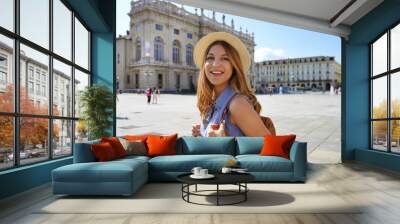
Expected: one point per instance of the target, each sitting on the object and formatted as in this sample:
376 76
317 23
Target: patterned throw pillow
134 147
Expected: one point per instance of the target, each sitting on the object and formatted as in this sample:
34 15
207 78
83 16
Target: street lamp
147 74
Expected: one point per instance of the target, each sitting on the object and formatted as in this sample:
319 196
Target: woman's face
218 68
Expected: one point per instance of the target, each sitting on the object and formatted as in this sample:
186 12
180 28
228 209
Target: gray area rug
166 198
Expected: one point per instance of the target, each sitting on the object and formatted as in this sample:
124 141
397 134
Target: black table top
220 178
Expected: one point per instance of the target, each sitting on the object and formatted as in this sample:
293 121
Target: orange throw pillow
277 145
116 145
103 152
161 145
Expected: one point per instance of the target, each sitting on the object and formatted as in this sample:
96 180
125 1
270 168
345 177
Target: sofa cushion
207 145
185 163
257 163
249 145
112 171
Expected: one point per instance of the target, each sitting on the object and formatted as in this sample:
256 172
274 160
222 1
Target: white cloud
265 53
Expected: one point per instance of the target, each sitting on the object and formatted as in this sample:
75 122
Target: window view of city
47 75
385 80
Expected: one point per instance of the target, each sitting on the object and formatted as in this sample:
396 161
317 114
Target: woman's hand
216 130
196 130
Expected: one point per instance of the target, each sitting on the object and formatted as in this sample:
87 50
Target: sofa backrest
249 145
83 152
201 145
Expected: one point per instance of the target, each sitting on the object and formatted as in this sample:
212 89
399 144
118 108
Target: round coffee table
238 179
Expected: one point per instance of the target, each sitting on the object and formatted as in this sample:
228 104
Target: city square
313 116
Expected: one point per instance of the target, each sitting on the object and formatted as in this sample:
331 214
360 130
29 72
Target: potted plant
96 102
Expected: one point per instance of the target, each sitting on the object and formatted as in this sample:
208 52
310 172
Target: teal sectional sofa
125 176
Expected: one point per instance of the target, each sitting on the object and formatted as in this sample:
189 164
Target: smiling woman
227 105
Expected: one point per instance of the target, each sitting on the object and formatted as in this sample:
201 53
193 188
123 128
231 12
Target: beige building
157 51
319 73
34 79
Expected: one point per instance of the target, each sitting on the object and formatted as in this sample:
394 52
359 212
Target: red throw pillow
277 145
161 145
116 145
103 151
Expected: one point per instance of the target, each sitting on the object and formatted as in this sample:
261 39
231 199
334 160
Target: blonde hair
238 81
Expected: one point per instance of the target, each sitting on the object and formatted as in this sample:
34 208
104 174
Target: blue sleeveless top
215 114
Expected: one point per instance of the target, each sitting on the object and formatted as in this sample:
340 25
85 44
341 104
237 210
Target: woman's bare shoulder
239 103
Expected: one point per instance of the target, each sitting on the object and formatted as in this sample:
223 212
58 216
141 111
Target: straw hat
236 43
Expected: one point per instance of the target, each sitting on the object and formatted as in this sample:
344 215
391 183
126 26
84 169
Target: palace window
138 46
189 54
158 49
159 27
176 52
176 31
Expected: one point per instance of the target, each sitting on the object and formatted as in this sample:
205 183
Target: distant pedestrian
158 92
155 96
148 94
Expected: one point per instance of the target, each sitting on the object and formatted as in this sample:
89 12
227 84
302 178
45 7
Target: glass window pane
379 97
81 45
395 47
395 136
35 21
6 142
395 94
6 74
62 89
379 135
62 138
81 81
7 14
379 55
34 96
81 131
33 140
62 29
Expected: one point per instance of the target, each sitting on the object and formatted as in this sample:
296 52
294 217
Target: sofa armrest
298 155
83 152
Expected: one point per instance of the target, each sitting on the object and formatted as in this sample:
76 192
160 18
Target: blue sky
273 41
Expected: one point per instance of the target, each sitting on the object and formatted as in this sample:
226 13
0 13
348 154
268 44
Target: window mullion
389 106
16 83
50 81
73 82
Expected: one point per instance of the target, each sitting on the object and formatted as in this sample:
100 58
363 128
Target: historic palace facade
157 51
318 73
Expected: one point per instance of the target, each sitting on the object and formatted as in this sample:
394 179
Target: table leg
196 188
245 193
217 194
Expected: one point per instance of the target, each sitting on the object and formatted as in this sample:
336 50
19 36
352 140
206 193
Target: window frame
388 74
16 115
